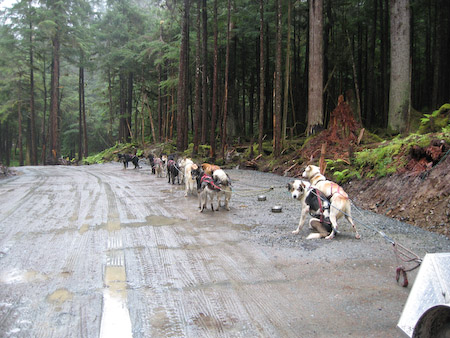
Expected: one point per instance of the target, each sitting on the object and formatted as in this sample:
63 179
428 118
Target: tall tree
315 73
198 113
262 72
204 72
33 143
182 119
54 141
227 71
278 87
400 85
287 78
212 139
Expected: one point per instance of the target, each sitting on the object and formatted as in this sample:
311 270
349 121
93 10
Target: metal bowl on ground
262 198
277 208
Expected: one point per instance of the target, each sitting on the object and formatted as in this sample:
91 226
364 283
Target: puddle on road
153 220
162 220
116 320
60 296
83 229
18 276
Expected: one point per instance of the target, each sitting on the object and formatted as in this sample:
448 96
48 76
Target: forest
79 76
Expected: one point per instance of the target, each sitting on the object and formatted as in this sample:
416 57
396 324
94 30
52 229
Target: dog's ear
289 186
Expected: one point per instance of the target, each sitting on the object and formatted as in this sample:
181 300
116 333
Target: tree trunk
130 106
315 76
32 107
212 138
44 130
278 85
227 70
198 112
204 73
80 116
54 98
19 111
83 116
287 75
182 80
400 87
262 71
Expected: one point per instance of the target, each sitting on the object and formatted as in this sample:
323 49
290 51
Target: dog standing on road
340 203
173 170
189 180
158 165
318 206
206 188
125 158
223 181
151 161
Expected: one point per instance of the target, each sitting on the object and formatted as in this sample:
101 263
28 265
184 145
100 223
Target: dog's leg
218 200
227 199
333 221
349 218
305 210
200 200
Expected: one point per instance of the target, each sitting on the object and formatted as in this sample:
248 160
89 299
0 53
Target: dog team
324 200
208 181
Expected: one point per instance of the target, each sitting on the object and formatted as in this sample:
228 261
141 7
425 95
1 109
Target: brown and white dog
206 188
158 165
340 203
209 169
316 204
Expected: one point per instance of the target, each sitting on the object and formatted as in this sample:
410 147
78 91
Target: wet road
99 251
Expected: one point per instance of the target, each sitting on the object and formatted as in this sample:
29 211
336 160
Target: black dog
173 170
125 158
151 160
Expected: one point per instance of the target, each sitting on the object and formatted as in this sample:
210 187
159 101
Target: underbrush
388 158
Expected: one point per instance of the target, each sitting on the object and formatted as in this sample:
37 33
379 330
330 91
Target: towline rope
254 192
401 252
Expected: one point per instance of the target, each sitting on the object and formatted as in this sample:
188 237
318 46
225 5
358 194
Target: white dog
182 162
318 206
224 183
340 203
158 165
164 161
189 181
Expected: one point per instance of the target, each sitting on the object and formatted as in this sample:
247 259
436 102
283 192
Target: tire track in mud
21 202
200 286
115 319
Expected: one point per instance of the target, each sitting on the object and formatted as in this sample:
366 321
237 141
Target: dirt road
99 251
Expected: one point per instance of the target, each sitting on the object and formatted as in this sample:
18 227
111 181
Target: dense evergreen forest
79 76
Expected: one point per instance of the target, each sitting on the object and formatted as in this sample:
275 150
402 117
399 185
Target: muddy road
99 251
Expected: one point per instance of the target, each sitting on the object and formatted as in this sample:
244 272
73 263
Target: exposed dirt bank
421 199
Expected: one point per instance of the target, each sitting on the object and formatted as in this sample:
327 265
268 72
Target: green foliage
342 172
110 154
383 160
435 121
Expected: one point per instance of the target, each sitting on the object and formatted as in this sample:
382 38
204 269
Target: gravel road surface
100 251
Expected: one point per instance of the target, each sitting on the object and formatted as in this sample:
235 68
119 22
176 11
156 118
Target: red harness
339 191
209 180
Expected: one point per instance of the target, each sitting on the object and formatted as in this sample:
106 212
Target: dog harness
209 181
318 205
339 191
